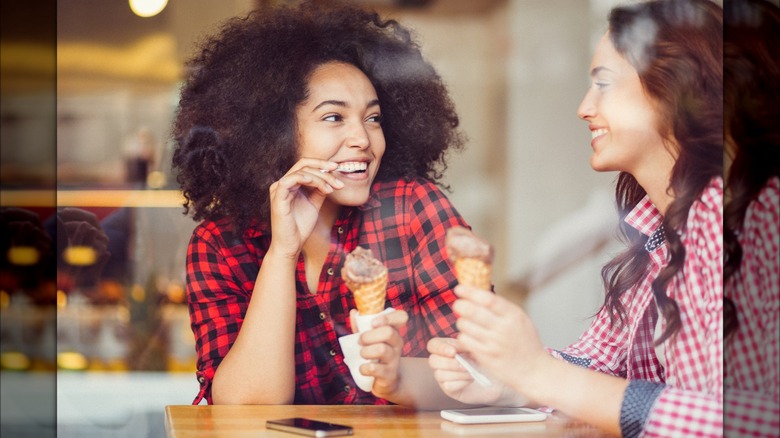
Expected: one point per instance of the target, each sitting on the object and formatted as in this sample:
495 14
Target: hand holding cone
472 257
473 260
366 277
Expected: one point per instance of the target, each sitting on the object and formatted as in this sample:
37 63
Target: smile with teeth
352 167
597 133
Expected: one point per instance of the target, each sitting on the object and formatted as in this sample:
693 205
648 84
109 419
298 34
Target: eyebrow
341 103
599 69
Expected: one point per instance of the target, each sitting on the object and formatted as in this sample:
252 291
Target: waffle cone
473 272
369 296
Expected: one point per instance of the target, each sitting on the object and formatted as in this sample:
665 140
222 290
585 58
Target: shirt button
341 230
201 379
332 353
322 316
347 388
330 271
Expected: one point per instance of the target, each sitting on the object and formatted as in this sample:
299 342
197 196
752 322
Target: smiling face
622 119
340 121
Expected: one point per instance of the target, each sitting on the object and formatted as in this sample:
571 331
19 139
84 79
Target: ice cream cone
370 297
471 256
473 272
366 277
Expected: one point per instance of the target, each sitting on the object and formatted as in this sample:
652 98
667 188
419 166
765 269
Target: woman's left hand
498 335
454 380
383 344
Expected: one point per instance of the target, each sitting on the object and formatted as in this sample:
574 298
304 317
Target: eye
600 85
333 118
376 118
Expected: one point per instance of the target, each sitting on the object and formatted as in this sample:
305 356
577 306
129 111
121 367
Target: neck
328 214
659 193
325 221
655 179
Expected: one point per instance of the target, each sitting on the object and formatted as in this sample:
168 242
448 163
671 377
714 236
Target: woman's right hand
455 381
296 200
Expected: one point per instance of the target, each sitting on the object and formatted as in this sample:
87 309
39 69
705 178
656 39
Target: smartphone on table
492 415
308 427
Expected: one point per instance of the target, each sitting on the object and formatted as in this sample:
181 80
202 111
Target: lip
597 133
358 177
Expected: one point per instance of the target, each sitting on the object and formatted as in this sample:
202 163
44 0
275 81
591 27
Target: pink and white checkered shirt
684 397
752 356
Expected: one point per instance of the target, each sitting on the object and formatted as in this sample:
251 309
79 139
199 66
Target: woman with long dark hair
651 362
752 218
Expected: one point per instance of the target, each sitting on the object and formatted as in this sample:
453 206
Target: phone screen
309 427
493 411
492 415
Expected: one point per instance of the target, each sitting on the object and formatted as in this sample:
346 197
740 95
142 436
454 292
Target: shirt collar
645 218
373 198
257 229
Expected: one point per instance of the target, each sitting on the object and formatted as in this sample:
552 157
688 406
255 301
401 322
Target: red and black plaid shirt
404 225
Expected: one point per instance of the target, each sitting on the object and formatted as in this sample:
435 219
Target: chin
600 165
351 200
595 165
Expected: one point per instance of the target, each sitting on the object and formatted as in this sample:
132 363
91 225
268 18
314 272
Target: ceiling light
147 8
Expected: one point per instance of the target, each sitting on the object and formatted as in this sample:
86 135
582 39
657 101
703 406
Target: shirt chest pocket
400 295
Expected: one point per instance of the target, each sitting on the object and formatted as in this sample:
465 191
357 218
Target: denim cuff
638 399
579 361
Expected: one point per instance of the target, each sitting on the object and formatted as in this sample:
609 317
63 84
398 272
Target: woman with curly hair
751 41
651 361
302 133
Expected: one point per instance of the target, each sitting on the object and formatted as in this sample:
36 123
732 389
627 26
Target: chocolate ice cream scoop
463 243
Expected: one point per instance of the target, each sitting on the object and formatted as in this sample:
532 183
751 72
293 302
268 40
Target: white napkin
351 349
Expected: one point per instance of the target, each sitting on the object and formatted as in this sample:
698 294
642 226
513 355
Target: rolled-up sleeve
638 399
677 412
216 303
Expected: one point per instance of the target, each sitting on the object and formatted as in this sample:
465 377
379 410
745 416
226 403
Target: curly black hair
682 71
235 124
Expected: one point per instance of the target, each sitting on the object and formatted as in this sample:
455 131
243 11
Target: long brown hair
681 70
751 88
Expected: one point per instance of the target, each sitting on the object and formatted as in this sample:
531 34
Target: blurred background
100 81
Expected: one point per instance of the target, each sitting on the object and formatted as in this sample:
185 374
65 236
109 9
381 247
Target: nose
587 108
357 136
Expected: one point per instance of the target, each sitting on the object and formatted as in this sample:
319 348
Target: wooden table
367 421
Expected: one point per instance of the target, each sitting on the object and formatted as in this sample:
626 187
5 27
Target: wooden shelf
91 198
